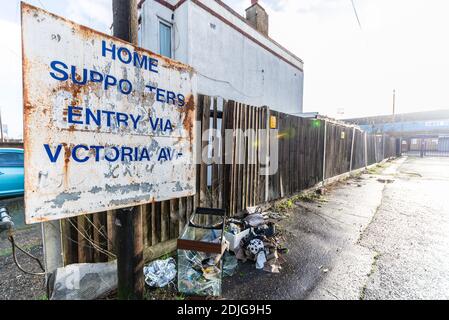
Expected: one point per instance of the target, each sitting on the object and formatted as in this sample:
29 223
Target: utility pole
394 103
128 221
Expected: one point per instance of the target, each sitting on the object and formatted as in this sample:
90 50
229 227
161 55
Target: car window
11 159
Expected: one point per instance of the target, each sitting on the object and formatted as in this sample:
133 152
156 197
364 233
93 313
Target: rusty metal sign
106 124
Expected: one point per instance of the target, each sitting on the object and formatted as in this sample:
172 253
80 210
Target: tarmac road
381 236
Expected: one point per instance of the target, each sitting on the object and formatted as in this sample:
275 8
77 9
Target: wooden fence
309 151
300 155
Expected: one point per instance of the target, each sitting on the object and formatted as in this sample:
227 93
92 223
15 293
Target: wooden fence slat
215 174
199 119
174 218
165 220
239 152
146 227
70 241
182 214
155 223
84 248
100 236
204 194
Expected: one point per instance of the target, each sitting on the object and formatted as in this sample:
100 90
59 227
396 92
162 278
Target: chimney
257 17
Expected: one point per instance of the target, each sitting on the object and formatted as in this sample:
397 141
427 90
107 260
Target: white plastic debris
260 260
84 281
160 273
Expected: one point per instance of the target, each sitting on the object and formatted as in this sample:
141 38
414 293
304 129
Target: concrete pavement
383 235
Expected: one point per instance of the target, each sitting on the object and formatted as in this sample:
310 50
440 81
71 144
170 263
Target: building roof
403 117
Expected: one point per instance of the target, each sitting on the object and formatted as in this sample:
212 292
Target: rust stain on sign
106 124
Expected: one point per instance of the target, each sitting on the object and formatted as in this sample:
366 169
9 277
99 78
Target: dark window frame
170 27
16 163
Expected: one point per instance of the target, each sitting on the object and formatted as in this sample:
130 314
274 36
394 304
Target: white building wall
229 64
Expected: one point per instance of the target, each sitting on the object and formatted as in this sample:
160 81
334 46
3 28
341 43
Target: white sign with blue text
107 125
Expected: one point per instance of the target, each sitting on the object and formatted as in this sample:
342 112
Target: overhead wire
356 15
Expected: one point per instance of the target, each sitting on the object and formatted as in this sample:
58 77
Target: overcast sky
349 71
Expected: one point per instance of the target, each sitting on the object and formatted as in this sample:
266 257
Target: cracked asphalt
383 235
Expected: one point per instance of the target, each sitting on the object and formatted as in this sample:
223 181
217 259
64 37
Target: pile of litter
254 238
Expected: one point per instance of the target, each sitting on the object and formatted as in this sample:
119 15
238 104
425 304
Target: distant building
435 122
233 55
420 131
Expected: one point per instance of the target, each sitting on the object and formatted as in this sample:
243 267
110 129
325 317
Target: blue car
11 172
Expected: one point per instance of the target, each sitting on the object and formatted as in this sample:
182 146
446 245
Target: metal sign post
129 239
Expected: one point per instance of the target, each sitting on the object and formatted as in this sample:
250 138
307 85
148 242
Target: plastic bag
159 273
254 220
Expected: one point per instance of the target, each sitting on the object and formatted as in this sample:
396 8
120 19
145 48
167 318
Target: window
11 159
165 39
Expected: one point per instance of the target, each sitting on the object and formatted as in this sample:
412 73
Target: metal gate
426 147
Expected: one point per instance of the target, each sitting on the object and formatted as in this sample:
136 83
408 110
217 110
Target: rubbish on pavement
160 273
200 253
252 236
274 262
268 230
260 260
275 215
234 239
230 264
261 243
233 228
255 246
84 281
252 210
382 180
254 220
195 276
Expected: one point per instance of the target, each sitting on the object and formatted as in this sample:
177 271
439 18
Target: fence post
52 244
267 156
324 151
375 149
366 150
352 149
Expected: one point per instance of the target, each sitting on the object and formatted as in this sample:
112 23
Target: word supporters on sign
106 125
